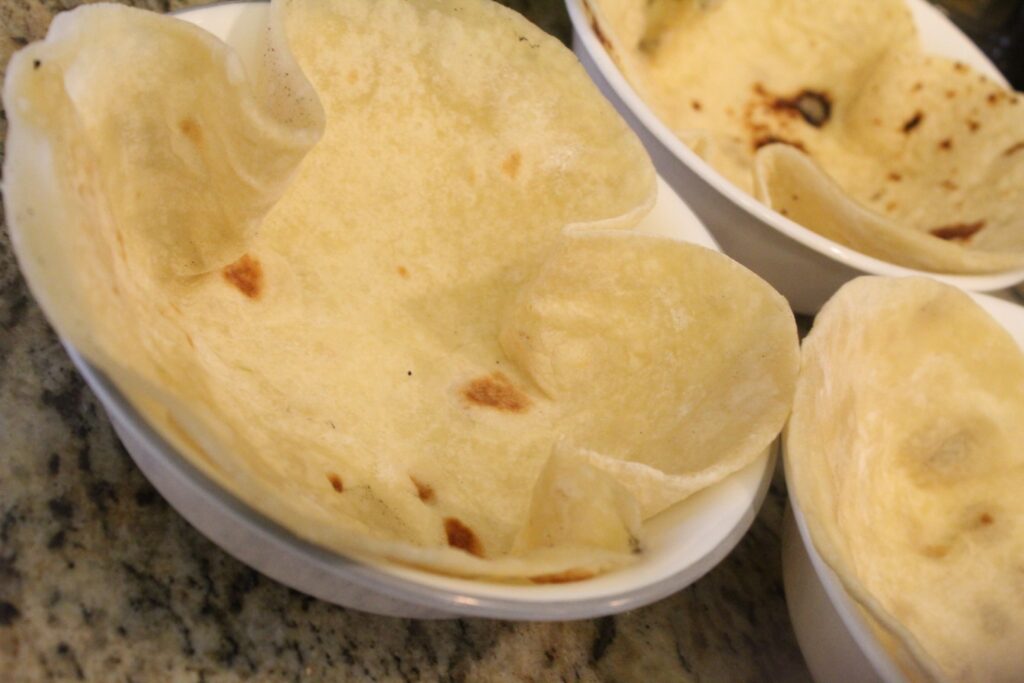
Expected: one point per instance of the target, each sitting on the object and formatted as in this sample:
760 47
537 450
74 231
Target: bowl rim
885 666
583 22
459 596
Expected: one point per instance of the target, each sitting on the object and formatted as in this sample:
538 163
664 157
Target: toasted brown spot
188 338
773 139
496 391
950 94
191 130
935 551
813 106
891 206
917 87
949 184
336 482
994 97
959 66
913 122
353 76
403 271
946 144
957 231
246 274
985 519
895 177
568 576
424 491
511 164
697 106
462 537
973 125
1014 148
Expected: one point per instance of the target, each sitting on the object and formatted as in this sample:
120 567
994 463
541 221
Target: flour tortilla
342 372
904 450
907 157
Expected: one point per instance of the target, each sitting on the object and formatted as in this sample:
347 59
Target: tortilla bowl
805 266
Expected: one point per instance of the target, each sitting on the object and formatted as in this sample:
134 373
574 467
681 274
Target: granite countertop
101 580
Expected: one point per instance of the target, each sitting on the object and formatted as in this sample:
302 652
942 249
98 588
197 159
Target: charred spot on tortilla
462 537
246 274
336 483
496 391
913 122
424 492
190 128
814 106
946 144
958 231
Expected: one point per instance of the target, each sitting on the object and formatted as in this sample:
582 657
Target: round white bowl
806 267
836 641
681 544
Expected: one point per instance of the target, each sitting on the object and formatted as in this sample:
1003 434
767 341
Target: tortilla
345 373
904 452
832 115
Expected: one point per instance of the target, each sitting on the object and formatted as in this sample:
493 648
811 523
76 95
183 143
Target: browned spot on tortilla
985 519
949 184
511 164
950 94
891 206
601 37
462 537
353 76
496 391
973 125
1014 148
813 106
935 551
959 66
913 122
190 127
994 97
246 274
917 86
424 491
336 482
772 139
784 212
895 177
120 244
697 106
188 338
946 144
568 576
877 195
403 271
957 231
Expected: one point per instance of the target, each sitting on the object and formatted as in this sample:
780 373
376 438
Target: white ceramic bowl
806 267
681 544
836 641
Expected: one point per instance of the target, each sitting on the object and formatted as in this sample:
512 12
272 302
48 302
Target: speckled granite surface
101 581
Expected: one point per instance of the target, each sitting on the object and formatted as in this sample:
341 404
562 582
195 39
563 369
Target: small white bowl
681 544
836 641
806 267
